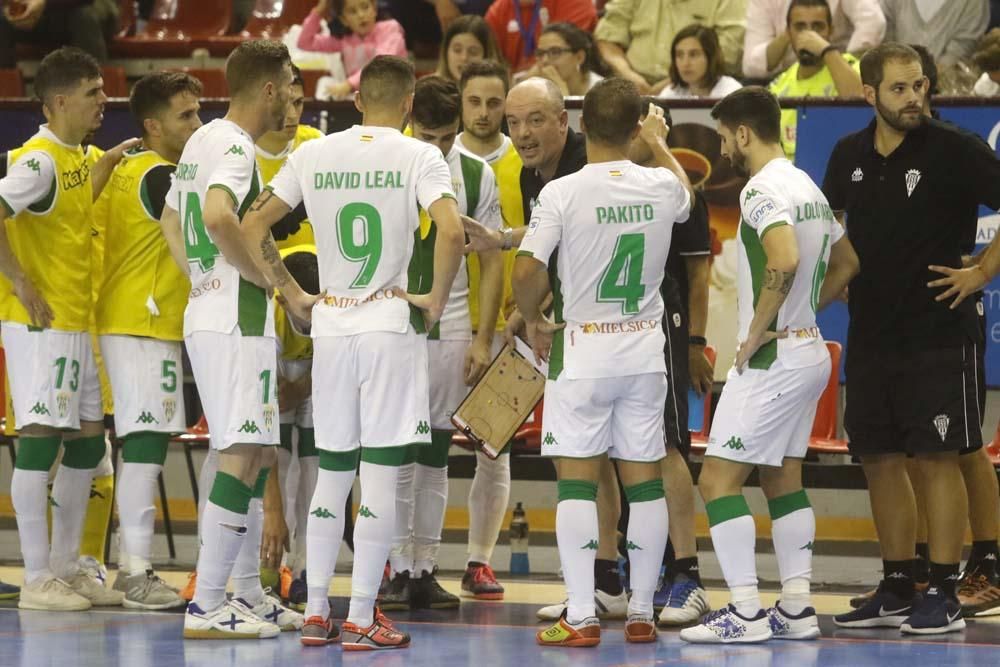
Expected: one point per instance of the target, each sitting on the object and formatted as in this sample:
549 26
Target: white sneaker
271 610
786 626
51 595
686 603
94 569
726 626
99 596
232 620
608 607
146 591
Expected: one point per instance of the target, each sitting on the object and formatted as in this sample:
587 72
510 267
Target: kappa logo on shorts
249 426
323 513
735 443
941 423
632 546
147 418
423 428
366 513
39 409
549 439
592 545
808 546
52 502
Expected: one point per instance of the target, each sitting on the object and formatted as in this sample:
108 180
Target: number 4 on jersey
196 242
622 279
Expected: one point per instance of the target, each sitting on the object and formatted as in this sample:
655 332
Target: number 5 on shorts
169 374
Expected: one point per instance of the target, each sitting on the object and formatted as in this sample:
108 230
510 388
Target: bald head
538 123
537 90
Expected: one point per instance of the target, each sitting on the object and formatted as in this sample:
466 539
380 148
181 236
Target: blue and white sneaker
786 626
662 593
9 591
686 602
271 610
883 610
727 626
232 620
934 615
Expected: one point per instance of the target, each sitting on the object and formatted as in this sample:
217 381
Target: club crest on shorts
169 409
912 178
268 417
941 424
62 403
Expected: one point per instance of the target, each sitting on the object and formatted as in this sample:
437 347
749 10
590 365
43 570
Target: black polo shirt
691 238
572 160
915 207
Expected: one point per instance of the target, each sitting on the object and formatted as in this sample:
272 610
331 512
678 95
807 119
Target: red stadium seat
823 439
11 83
213 81
176 28
115 83
196 436
309 78
271 19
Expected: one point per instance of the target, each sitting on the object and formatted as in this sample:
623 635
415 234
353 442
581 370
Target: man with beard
911 385
793 260
821 70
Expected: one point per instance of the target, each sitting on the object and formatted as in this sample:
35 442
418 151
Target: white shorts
147 381
447 380
237 378
622 416
53 377
293 369
765 416
374 387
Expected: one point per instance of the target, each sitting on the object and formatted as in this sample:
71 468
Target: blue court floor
480 633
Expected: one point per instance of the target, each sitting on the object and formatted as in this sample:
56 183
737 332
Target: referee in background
910 187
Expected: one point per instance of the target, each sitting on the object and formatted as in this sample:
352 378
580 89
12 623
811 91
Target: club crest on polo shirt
857 175
912 178
941 424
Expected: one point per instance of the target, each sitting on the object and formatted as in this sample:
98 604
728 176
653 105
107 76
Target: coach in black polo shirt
910 187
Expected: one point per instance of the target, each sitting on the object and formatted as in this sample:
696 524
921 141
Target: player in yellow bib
139 317
49 195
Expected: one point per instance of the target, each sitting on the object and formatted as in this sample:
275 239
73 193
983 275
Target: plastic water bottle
519 542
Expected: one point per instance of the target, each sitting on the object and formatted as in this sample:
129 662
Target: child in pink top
365 38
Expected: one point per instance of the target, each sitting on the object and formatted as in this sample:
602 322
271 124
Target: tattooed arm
782 261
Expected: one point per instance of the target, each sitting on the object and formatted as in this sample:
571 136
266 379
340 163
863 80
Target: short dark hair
580 40
874 60
436 102
485 69
929 66
297 79
809 3
253 63
152 93
63 70
611 111
753 106
386 80
304 268
709 40
660 102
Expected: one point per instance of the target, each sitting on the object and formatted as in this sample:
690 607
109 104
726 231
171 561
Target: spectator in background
467 39
987 58
567 57
858 25
87 24
697 66
633 35
518 24
356 34
948 28
424 21
821 71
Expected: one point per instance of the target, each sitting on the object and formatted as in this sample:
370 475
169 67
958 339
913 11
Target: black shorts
915 402
675 412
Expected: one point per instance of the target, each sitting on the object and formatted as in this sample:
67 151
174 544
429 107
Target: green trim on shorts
230 494
786 504
84 453
726 508
411 454
435 455
577 489
307 442
645 491
37 453
388 456
285 436
339 461
145 447
258 488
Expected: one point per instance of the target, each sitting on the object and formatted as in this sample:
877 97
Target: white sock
206 477
576 535
793 530
734 539
488 499
29 492
325 532
401 552
430 499
70 494
246 569
137 488
308 470
373 532
646 541
222 535
284 473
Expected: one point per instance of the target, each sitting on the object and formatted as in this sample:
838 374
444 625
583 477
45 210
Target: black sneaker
883 610
934 615
397 594
426 593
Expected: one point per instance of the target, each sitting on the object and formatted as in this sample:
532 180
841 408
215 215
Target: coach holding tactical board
910 187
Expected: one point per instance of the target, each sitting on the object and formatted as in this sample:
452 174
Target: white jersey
218 155
476 189
361 189
781 194
612 223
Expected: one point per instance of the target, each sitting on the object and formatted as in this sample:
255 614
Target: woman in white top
696 65
566 55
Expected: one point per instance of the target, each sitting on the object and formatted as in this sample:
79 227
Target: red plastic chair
196 436
309 79
176 28
213 81
823 439
11 82
115 82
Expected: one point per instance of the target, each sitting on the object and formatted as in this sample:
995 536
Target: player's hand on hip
480 238
432 311
749 347
274 539
540 333
960 283
700 369
299 307
38 308
477 360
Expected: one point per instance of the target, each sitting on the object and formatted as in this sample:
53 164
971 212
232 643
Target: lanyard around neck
528 36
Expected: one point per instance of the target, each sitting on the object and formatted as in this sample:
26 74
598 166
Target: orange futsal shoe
585 633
